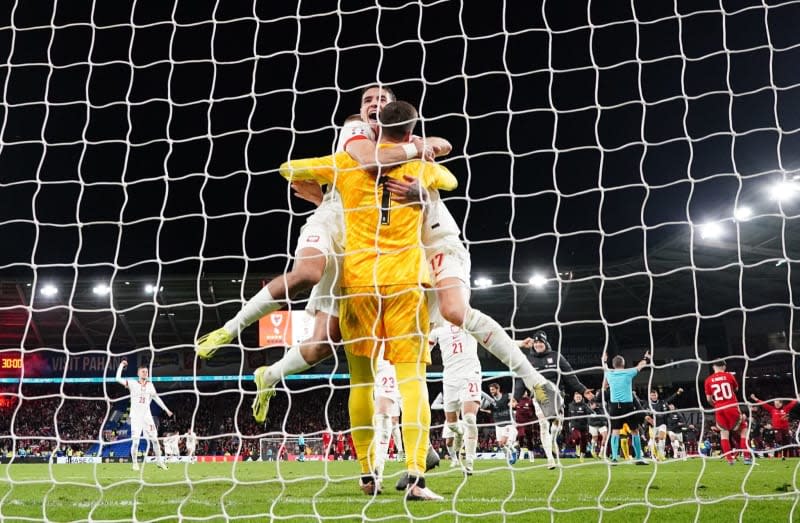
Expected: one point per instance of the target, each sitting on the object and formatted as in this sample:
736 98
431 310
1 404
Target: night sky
143 138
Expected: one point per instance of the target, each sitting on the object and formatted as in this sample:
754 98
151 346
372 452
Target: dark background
140 143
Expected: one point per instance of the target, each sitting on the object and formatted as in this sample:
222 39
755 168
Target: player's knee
453 311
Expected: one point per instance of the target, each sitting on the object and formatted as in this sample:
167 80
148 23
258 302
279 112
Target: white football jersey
439 227
354 129
141 397
459 349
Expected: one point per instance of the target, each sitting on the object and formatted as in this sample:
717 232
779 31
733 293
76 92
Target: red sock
726 449
743 446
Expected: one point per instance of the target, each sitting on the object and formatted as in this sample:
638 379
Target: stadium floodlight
742 213
49 290
710 231
101 289
538 281
152 289
784 191
483 282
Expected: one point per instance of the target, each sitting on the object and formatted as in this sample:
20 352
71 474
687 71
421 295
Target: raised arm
118 377
645 361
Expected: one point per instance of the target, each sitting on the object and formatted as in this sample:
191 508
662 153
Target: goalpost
629 180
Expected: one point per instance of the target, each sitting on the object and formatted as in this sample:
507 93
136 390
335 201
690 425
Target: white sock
291 363
382 425
494 339
259 305
134 449
398 438
555 428
676 449
156 449
547 439
661 443
470 436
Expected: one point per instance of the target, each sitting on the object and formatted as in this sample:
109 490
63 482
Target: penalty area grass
676 491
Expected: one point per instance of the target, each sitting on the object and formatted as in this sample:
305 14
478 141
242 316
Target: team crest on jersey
314 238
549 360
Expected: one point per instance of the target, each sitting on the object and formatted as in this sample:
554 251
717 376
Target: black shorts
622 413
302 449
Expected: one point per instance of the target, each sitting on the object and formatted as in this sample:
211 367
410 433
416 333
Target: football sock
416 414
615 443
494 339
291 363
362 406
259 305
637 446
470 435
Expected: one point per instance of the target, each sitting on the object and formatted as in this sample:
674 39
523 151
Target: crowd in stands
46 419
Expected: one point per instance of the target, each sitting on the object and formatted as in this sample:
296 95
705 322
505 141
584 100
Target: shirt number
721 391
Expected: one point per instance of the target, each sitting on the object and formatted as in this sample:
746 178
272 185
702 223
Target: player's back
722 387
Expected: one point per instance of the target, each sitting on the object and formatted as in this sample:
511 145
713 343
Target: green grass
298 492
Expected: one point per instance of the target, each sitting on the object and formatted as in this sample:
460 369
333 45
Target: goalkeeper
382 274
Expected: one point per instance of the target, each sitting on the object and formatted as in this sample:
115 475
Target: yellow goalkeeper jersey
383 244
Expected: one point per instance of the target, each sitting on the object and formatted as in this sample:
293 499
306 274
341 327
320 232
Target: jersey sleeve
436 176
353 131
321 170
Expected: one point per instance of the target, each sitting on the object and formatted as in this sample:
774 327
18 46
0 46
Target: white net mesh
628 181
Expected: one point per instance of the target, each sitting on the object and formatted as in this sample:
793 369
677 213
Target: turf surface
694 490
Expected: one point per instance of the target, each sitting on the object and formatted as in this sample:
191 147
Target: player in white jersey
191 445
317 257
461 387
142 394
171 450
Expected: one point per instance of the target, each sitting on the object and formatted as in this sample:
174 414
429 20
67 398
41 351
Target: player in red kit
340 446
779 412
721 388
524 416
327 437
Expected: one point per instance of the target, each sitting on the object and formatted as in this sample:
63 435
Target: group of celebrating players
385 264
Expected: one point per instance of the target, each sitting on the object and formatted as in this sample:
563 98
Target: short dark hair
653 390
618 361
397 119
719 363
385 88
496 385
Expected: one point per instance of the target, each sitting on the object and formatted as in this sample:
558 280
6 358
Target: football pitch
694 490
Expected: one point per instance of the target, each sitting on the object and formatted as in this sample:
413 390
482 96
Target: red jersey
326 439
780 416
722 387
524 412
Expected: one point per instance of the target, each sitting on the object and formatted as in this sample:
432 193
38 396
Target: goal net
629 181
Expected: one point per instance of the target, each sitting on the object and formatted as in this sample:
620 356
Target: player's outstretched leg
306 272
297 359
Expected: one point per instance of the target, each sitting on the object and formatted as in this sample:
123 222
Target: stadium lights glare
710 231
49 290
152 289
784 191
482 282
742 213
538 281
101 289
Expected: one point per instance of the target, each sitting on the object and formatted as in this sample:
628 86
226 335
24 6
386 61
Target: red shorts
729 418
